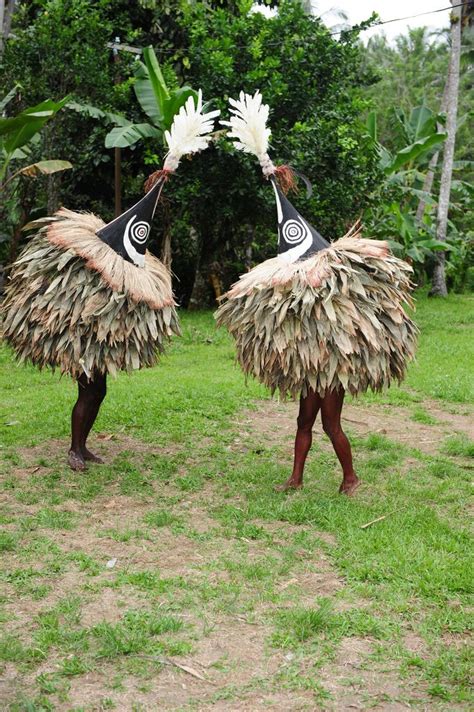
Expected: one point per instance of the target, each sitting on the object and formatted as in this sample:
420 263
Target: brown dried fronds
72 305
335 320
77 232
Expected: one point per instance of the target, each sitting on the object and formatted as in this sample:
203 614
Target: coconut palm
459 15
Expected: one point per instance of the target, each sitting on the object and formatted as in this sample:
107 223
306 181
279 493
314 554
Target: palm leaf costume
320 315
86 297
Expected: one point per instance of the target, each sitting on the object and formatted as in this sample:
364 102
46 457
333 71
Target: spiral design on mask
139 231
293 232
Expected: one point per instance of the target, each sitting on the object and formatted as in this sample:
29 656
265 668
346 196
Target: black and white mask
128 233
297 239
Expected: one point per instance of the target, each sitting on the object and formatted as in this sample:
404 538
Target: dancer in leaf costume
321 318
89 299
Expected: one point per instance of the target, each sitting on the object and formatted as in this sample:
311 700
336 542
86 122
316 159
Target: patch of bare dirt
108 606
275 422
9 687
459 422
232 656
108 446
353 687
312 581
457 640
235 668
276 528
414 643
174 691
22 611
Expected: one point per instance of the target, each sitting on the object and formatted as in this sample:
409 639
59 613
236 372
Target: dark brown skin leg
91 393
309 408
331 408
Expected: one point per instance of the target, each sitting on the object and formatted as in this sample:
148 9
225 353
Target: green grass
420 415
195 389
204 547
443 367
458 445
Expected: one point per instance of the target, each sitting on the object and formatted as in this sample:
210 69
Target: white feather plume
190 131
248 124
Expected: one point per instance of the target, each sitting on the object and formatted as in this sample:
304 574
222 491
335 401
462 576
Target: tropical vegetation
366 123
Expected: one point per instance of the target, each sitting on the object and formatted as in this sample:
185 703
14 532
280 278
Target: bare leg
91 393
331 408
309 408
101 391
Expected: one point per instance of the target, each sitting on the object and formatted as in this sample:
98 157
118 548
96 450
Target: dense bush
222 212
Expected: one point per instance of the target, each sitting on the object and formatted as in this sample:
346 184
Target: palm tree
459 15
7 8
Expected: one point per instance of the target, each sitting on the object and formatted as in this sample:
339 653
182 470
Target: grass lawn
175 578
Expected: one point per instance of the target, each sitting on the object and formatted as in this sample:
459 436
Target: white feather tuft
190 131
249 123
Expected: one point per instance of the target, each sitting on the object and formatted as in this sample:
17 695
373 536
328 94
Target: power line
408 17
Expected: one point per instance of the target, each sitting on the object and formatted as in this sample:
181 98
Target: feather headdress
248 123
190 131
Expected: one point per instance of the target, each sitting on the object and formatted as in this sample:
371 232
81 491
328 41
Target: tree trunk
25 195
16 237
249 248
54 189
439 277
7 8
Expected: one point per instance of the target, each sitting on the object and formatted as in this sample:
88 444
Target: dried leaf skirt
74 304
334 320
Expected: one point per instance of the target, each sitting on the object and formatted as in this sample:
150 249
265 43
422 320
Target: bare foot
288 485
90 457
76 461
348 488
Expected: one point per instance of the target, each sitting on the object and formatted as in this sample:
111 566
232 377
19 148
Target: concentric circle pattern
139 231
293 231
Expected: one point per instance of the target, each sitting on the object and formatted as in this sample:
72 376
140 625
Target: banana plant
18 135
404 170
18 132
419 134
158 102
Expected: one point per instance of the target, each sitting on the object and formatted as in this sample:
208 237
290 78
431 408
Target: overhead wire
408 17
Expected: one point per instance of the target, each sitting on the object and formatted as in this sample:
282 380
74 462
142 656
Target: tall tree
452 92
7 8
413 72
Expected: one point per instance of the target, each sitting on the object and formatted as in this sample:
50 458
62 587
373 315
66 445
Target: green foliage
394 216
59 48
158 102
18 131
412 73
18 134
